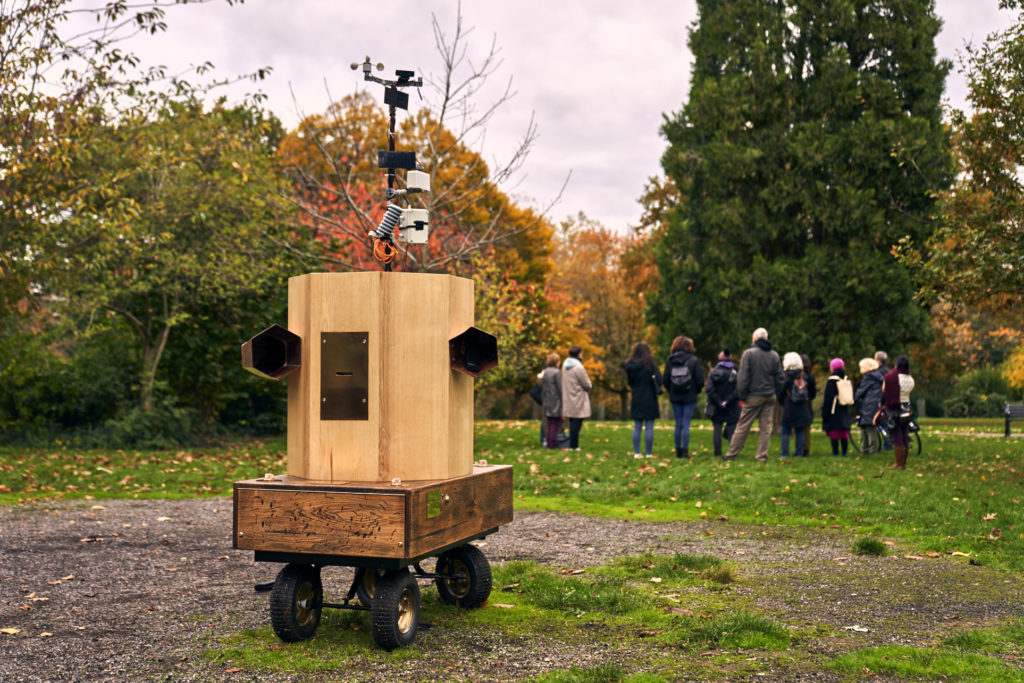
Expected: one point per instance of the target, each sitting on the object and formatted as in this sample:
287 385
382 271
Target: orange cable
383 251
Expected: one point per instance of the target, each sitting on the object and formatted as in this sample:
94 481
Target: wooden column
418 416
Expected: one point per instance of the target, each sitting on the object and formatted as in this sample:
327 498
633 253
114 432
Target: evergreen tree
811 143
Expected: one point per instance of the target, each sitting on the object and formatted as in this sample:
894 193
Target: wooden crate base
291 516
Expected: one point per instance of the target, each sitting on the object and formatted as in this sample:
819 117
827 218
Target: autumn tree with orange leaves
332 157
606 273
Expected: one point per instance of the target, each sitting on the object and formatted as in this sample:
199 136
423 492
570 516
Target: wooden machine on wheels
380 438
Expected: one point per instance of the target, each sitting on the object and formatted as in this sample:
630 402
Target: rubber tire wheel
473 589
395 612
914 444
366 584
295 602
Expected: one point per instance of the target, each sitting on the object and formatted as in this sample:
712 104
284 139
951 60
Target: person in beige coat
576 388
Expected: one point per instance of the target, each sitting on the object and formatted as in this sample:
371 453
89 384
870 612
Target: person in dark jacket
644 381
551 399
722 397
812 393
869 397
684 379
835 417
796 404
760 381
881 357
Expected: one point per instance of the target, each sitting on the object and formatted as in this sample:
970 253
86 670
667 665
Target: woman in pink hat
835 408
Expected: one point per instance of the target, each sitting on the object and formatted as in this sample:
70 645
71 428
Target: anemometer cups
273 353
473 352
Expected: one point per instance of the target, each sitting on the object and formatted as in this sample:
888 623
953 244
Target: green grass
1007 638
634 597
926 663
870 546
680 611
57 473
962 494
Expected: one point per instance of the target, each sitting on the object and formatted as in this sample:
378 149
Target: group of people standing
565 394
761 385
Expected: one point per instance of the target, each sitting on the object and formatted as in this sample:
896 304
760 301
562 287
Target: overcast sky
597 75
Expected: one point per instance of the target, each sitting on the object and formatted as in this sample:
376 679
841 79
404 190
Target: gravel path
127 590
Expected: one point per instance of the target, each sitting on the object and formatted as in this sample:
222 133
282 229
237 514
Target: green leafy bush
981 393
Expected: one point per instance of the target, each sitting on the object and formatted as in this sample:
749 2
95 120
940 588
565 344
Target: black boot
681 453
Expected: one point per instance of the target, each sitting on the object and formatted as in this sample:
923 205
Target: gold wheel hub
405 611
305 611
459 586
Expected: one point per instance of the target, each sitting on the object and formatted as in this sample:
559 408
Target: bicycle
882 435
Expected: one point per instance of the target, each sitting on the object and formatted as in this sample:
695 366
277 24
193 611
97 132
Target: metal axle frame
419 573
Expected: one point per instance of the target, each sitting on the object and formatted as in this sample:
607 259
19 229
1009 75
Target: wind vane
412 223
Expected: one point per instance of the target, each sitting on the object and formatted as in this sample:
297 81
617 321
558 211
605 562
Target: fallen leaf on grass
167 519
913 557
648 633
855 627
45 634
572 571
679 610
502 605
934 554
10 631
170 569
233 671
891 544
655 579
989 516
957 553
91 539
511 586
97 507
709 653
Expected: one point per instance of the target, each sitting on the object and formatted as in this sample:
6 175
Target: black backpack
681 378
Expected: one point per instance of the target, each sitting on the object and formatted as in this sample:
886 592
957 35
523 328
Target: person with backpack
723 401
644 381
759 381
869 396
796 404
684 379
835 407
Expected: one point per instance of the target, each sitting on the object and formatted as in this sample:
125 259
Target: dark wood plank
325 522
465 506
